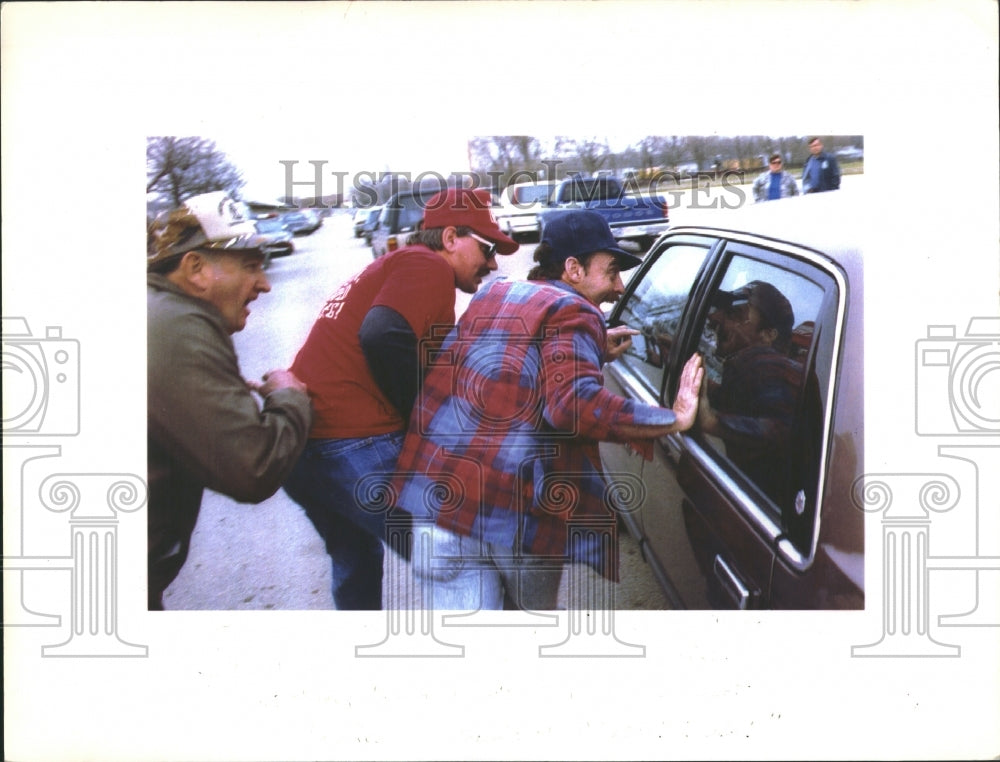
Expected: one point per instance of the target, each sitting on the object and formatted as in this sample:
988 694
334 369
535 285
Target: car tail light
666 212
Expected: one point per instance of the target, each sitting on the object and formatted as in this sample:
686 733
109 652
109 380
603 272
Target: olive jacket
205 428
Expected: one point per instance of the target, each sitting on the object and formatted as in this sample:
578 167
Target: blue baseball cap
577 232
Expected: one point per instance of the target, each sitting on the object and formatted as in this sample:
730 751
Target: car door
748 483
752 483
655 305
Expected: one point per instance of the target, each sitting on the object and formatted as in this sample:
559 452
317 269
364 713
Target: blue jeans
336 482
467 574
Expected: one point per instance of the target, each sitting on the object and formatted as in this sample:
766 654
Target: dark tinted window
411 212
764 417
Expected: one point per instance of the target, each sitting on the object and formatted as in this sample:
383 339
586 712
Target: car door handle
732 584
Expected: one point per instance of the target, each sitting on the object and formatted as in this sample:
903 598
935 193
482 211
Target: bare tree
180 167
504 154
592 153
703 149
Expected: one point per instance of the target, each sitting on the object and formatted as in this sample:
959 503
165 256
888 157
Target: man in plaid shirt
501 456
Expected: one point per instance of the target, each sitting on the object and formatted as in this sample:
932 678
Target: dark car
370 223
401 215
751 508
303 221
279 237
361 215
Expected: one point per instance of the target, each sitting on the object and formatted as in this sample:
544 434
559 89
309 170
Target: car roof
428 191
832 223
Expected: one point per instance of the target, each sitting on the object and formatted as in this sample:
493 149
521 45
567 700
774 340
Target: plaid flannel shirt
503 442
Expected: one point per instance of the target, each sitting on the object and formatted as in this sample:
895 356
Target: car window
764 417
409 218
654 309
411 213
529 194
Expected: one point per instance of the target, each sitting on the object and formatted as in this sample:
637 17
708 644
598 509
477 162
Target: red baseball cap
470 208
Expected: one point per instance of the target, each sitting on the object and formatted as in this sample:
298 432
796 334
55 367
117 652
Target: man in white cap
205 427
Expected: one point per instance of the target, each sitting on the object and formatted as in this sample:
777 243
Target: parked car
636 219
371 220
361 215
758 513
279 237
520 204
303 221
399 217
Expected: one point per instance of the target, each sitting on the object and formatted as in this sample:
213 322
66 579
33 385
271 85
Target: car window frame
780 254
829 331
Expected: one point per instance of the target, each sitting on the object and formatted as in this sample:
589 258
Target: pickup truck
640 219
519 207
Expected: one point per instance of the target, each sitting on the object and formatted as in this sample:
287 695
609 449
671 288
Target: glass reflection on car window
756 340
655 308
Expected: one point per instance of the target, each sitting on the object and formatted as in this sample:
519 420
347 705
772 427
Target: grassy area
667 181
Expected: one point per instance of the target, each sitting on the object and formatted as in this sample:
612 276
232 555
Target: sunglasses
488 248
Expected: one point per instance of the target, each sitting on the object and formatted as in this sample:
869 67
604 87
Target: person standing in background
775 183
821 171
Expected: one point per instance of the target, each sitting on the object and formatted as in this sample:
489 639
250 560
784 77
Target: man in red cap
360 363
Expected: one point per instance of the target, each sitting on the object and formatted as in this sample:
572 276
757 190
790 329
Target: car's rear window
530 194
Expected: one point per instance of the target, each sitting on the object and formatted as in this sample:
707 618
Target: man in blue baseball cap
512 408
578 232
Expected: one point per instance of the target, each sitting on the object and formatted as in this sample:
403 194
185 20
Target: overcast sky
355 150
